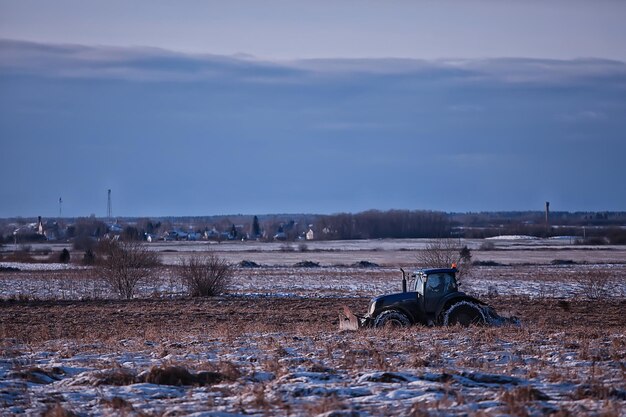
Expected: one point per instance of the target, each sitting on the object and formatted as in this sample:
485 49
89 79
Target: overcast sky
200 108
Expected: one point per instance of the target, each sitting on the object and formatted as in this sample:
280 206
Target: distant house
175 235
31 232
211 234
194 236
115 228
310 235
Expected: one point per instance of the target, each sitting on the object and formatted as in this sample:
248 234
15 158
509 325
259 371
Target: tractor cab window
441 283
435 284
450 283
419 284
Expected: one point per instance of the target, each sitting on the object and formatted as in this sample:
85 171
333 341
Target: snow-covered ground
25 266
339 281
427 372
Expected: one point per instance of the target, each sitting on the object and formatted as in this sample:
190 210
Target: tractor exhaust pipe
403 280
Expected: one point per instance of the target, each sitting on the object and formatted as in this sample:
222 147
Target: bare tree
123 264
205 276
443 253
595 285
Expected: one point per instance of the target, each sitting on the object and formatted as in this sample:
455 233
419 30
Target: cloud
545 71
154 64
583 116
234 133
135 64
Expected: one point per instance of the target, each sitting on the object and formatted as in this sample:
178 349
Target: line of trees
375 224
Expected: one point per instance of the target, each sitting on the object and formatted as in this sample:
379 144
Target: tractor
432 299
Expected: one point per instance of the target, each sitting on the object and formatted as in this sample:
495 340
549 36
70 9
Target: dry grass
58 410
119 404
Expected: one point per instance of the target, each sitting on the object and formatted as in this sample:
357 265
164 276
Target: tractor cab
432 285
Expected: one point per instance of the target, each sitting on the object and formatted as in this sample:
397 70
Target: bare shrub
177 375
205 276
115 376
443 253
306 264
123 264
64 257
89 258
594 284
440 253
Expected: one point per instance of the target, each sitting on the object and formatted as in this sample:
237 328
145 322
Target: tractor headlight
371 308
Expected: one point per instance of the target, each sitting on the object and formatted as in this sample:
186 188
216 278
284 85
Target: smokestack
547 215
109 211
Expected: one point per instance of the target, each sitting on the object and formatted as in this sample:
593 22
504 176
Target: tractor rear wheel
392 318
463 313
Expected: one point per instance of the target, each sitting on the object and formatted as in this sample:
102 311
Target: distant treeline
585 227
376 224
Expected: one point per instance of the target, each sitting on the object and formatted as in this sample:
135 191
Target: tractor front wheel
392 318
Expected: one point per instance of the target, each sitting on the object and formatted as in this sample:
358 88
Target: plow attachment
348 320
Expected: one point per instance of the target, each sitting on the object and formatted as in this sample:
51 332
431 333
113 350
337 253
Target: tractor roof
429 271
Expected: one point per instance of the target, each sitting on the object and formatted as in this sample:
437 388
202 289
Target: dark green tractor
433 298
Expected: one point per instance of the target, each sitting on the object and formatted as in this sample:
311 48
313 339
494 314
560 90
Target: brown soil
38 321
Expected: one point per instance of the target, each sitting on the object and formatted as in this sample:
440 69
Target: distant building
211 234
280 236
310 235
115 228
40 230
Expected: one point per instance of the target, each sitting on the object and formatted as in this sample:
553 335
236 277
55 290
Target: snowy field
264 356
271 374
270 346
521 266
534 281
